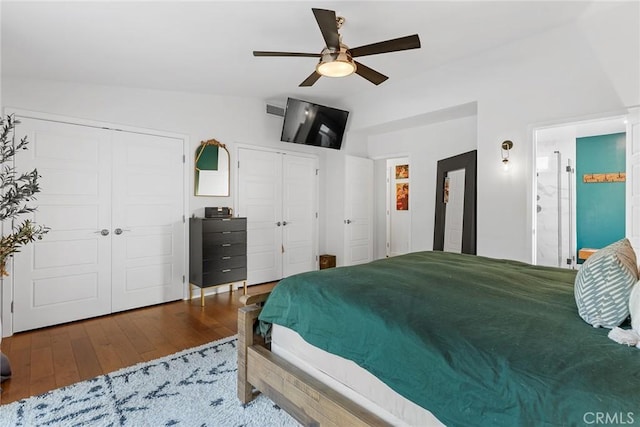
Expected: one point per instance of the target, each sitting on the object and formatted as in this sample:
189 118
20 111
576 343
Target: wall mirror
212 169
455 219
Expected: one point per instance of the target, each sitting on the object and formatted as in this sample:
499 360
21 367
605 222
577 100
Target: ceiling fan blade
263 53
328 27
309 81
370 74
394 45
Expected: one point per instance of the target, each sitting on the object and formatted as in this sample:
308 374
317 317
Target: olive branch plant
16 190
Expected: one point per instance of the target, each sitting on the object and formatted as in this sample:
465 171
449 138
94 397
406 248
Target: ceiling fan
336 59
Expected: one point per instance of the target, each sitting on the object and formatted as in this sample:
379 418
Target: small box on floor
327 261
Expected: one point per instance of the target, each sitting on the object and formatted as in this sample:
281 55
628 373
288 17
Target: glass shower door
554 208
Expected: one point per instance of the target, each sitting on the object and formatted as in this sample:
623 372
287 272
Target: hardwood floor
48 358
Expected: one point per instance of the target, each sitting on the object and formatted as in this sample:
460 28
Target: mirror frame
468 162
220 145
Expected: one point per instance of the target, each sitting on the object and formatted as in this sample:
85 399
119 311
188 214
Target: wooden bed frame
309 401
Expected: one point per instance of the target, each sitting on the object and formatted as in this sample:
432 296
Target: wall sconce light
506 146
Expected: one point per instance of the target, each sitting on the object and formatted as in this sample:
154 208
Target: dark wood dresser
217 253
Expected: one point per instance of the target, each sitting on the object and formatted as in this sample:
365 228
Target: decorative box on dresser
217 253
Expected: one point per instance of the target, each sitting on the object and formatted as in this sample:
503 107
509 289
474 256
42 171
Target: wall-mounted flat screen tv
313 124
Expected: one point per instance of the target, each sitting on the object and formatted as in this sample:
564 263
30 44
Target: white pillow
634 307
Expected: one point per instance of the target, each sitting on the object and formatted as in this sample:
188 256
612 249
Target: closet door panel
65 276
147 227
260 201
114 203
358 231
299 212
277 193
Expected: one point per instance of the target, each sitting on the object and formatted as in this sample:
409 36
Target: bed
473 340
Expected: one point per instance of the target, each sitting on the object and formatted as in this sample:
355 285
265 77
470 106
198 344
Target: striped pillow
603 285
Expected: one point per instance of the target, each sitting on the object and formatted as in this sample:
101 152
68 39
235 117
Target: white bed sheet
350 380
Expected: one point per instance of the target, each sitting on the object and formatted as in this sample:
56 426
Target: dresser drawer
223 249
224 262
224 224
227 275
219 237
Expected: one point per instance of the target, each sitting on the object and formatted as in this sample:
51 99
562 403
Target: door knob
347 221
119 231
278 223
104 232
284 223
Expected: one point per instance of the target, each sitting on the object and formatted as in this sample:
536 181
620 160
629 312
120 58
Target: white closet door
299 199
114 203
147 230
67 275
278 195
260 201
358 222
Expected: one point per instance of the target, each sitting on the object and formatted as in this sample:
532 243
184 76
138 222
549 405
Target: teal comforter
475 340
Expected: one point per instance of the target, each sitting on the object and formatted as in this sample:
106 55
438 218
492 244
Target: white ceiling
206 46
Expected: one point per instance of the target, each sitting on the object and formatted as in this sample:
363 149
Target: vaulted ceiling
206 46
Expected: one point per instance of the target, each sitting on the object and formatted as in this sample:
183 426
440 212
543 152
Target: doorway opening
579 189
398 213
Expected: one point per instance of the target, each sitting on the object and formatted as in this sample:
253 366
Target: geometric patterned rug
194 387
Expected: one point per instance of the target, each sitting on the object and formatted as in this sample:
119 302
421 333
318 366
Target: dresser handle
225 245
226 257
226 270
226 232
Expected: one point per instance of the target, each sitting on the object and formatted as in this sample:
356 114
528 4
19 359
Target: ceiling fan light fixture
336 59
332 65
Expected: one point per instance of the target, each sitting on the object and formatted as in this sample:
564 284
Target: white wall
424 145
585 69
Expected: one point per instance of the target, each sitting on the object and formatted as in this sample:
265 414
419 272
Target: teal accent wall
600 207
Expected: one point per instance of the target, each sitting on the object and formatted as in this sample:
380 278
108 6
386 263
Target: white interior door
67 275
358 210
114 203
277 193
299 209
147 228
454 212
398 215
260 201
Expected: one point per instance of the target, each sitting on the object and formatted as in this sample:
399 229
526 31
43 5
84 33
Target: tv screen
313 124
